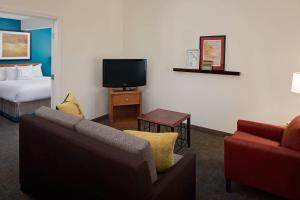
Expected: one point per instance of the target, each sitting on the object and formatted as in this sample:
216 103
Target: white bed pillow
2 73
11 73
24 73
37 71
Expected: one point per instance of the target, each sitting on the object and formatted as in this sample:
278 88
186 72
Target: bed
19 97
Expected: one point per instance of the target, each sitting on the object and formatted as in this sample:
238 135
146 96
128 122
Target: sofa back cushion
121 140
58 117
291 136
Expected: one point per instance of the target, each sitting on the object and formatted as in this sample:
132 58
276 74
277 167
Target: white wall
91 30
36 23
262 42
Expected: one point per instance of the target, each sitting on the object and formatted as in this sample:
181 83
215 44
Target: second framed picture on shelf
192 58
212 51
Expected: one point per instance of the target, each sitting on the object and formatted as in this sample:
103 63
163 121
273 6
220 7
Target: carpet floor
210 170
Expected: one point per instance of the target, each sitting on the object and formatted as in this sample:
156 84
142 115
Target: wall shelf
232 73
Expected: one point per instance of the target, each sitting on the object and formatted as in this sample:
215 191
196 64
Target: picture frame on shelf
15 45
192 58
212 48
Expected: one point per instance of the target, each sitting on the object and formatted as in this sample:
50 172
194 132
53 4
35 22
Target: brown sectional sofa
64 157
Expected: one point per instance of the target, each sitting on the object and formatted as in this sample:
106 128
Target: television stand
129 88
124 108
124 89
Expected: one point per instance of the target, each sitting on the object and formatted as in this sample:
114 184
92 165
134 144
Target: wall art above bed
15 45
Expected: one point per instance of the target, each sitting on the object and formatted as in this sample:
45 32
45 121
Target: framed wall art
15 45
192 58
212 49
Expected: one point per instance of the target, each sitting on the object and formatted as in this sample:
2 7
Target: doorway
38 19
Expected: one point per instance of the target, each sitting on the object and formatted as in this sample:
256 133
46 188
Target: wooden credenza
124 108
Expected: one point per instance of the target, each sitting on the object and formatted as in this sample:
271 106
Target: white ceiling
12 16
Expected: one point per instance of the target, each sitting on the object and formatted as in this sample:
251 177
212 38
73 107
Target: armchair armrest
268 131
183 174
261 166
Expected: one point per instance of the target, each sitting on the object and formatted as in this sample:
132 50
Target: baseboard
209 131
11 118
195 127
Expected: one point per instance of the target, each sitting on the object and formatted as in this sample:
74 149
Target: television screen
124 72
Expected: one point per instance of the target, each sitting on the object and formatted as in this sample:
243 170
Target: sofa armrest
262 130
182 174
261 166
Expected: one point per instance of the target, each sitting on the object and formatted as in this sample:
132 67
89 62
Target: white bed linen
26 90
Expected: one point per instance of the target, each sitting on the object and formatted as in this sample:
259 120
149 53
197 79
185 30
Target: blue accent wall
10 24
41 48
41 45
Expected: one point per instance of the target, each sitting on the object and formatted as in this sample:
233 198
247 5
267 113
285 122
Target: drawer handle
126 99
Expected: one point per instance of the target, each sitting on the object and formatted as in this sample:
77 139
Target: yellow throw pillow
71 106
72 99
162 146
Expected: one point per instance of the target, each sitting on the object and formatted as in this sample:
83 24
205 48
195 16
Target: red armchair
254 156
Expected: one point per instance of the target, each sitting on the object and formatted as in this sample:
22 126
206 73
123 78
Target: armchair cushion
255 139
291 136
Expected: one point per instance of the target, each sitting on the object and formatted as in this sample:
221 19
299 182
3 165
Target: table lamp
296 82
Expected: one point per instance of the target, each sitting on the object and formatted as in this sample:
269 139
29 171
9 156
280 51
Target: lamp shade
296 82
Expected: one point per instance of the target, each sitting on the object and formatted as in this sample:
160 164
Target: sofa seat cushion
255 139
291 135
121 140
177 158
58 117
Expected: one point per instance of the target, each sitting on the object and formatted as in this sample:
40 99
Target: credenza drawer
126 99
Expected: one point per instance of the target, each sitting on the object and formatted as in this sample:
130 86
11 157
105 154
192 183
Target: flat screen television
123 73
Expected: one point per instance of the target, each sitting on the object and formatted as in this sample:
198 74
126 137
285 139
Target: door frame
56 48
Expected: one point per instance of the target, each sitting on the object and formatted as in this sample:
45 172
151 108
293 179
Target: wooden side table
124 108
160 117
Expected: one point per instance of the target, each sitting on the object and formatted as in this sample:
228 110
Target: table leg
158 128
188 129
139 125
